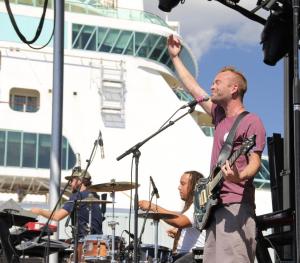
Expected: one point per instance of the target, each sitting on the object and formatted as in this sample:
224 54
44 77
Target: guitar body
207 190
204 202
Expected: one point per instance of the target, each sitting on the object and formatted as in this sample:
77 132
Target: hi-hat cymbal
157 216
93 200
112 187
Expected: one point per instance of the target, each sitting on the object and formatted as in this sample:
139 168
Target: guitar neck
219 176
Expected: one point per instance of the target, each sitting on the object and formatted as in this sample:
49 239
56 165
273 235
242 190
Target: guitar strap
227 146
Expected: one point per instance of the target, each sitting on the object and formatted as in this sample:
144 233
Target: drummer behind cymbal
186 237
78 182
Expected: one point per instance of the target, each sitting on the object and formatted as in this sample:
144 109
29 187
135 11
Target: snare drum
95 247
99 247
164 254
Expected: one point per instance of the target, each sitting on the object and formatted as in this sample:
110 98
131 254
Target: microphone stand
46 227
78 194
136 155
145 218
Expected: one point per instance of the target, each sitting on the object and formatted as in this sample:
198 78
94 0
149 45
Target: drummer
186 237
79 181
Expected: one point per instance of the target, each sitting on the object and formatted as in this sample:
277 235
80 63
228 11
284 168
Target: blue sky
219 36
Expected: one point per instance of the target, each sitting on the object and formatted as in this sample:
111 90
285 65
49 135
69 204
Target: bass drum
146 254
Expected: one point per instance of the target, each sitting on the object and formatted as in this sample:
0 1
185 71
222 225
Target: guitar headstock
248 143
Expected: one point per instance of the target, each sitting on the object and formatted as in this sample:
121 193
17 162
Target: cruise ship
118 80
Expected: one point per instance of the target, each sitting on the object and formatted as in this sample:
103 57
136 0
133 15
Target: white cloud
201 41
205 24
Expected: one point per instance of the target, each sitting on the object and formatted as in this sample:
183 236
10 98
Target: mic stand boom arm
136 155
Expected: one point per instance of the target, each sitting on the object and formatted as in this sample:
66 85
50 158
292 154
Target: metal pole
296 110
57 108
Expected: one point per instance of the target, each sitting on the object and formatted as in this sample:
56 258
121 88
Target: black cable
130 201
15 26
169 119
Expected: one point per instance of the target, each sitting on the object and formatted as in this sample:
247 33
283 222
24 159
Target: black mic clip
131 235
155 191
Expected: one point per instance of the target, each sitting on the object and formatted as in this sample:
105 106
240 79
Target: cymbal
112 187
157 216
93 200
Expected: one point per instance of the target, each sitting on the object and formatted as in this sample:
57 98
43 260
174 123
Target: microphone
77 166
193 103
131 235
100 142
155 191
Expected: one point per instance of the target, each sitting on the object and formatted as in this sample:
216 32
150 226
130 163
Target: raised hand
174 46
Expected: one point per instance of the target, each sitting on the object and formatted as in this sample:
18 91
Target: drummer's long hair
193 179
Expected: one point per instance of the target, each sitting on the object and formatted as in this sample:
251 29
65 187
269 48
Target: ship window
165 57
122 42
29 150
139 38
91 44
44 151
32 150
13 148
208 130
83 35
2 147
109 40
101 35
158 49
141 44
130 47
24 100
148 45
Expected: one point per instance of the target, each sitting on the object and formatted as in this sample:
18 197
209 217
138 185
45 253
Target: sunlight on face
184 186
75 183
222 87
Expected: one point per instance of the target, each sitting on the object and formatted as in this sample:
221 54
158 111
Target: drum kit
112 248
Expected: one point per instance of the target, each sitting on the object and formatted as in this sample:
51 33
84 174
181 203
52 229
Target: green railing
93 8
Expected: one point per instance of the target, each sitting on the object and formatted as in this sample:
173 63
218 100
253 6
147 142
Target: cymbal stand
113 224
156 221
90 218
136 155
78 193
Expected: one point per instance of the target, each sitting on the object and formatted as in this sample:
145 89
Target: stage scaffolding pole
296 114
57 109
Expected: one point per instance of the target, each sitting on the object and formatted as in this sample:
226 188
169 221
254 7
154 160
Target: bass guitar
207 190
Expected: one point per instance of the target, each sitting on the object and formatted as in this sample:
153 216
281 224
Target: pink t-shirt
248 126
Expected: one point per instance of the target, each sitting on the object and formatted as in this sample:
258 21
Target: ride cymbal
112 187
157 216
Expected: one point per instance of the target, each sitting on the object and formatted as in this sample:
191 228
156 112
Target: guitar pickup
203 198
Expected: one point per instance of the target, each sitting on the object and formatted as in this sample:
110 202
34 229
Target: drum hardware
113 224
113 186
147 254
90 200
156 217
198 254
